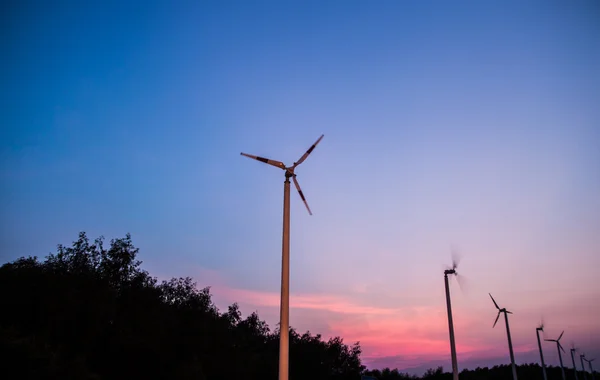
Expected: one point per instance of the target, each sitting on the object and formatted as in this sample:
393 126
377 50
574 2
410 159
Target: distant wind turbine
537 333
582 357
510 349
559 347
451 271
590 364
573 349
285 262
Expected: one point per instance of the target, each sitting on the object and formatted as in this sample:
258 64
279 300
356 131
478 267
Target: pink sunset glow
412 337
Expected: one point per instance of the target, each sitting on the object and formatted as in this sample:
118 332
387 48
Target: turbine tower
510 349
284 311
559 347
537 333
573 349
451 271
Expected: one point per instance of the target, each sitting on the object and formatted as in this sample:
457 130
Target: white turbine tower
284 310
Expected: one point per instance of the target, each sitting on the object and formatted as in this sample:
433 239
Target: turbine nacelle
452 271
500 310
557 341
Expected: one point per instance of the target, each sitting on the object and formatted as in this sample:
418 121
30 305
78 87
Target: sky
465 124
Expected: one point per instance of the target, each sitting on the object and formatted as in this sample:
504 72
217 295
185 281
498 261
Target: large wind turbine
559 347
284 310
573 349
510 349
537 333
451 271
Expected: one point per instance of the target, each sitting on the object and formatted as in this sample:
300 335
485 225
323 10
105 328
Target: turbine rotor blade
497 307
277 164
496 321
509 312
462 282
561 334
455 258
560 346
309 151
301 194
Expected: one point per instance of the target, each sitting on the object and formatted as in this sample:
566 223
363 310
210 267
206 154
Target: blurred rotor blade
497 307
561 334
455 257
550 340
509 312
496 321
309 151
301 194
463 284
277 164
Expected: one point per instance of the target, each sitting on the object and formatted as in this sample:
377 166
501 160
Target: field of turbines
538 329
285 270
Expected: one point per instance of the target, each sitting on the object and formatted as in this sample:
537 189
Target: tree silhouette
90 312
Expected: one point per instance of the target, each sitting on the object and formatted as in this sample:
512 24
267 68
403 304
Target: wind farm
450 271
146 232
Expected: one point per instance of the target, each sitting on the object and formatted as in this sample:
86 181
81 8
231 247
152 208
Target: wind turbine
451 271
590 364
510 349
582 357
284 310
559 347
537 333
573 349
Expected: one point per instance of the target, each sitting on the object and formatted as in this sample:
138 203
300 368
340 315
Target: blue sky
472 123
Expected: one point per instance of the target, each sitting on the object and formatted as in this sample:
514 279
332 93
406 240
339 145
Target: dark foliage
502 372
91 312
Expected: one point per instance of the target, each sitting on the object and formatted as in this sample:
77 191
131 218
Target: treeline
502 372
90 312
